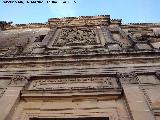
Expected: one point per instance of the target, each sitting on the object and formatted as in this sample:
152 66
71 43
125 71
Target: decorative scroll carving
19 81
126 78
76 36
99 83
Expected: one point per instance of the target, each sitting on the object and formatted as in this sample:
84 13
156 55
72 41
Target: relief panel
74 84
19 81
128 78
76 36
77 41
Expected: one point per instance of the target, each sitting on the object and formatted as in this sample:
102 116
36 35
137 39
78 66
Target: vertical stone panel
11 96
136 102
7 102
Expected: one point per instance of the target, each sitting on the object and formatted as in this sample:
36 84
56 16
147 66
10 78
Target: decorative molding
76 41
19 81
128 78
80 21
96 83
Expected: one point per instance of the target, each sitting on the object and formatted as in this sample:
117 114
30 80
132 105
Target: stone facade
84 68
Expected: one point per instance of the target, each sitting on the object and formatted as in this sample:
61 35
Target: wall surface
88 67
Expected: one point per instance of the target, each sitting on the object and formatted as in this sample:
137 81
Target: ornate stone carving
97 83
128 78
19 80
76 36
76 41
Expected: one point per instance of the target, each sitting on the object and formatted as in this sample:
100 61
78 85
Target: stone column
11 97
134 97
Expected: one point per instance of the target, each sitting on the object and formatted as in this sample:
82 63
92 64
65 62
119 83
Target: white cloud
61 9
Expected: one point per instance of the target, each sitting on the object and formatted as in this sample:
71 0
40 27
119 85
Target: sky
130 11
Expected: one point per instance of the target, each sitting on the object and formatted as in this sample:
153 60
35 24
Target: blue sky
129 11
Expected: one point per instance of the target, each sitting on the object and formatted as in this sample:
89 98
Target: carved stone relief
74 84
77 41
76 36
128 78
19 81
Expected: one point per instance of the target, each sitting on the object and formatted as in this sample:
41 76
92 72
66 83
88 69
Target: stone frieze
96 83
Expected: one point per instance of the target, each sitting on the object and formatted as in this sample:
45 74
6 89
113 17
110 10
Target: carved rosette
128 78
19 81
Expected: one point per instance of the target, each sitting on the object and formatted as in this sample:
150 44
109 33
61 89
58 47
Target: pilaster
11 96
134 97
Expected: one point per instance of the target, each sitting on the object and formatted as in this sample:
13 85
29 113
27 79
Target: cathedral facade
80 68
